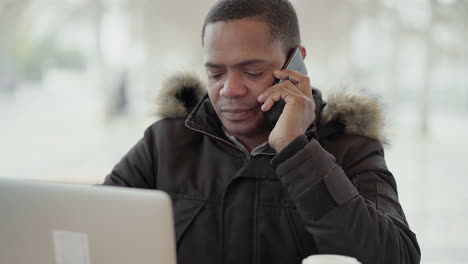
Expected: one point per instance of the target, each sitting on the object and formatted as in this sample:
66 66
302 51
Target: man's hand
299 110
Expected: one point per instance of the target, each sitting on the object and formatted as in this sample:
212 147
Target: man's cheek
213 90
268 82
261 88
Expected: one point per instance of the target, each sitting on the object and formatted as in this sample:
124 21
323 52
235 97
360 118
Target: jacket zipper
215 137
221 231
248 155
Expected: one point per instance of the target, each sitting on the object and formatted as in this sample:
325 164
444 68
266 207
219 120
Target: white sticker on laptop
71 247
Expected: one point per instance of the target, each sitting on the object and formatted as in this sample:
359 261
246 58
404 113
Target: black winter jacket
328 192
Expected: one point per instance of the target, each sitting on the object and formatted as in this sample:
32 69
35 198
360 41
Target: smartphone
294 62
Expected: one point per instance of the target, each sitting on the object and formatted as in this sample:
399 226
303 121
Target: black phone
294 62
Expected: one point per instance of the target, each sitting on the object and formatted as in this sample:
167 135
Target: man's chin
244 128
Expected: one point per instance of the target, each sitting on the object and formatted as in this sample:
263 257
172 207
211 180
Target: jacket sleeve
363 220
136 168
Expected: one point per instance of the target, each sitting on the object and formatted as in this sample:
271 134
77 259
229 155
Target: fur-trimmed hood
358 112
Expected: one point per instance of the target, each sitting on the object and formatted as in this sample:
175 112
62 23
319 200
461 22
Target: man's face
240 57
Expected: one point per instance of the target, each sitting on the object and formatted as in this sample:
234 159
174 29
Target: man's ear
303 51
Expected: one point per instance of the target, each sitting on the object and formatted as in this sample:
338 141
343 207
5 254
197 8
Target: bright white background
78 77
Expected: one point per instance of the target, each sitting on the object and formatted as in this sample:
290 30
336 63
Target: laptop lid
72 224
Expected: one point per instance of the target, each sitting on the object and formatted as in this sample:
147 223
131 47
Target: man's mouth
237 114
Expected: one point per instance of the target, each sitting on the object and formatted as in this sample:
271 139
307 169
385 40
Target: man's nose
233 86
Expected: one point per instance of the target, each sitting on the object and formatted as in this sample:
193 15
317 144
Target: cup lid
329 259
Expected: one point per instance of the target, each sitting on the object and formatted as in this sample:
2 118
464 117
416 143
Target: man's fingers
280 94
271 99
299 80
287 85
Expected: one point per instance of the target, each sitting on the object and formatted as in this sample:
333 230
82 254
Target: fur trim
178 95
360 113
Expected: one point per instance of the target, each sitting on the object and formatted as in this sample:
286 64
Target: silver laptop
70 224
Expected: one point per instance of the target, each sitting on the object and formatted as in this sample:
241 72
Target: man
316 183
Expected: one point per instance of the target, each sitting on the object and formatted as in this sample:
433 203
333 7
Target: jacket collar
204 119
352 112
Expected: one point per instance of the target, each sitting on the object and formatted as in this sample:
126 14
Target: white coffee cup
330 259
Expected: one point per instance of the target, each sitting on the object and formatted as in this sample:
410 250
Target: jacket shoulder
169 127
353 113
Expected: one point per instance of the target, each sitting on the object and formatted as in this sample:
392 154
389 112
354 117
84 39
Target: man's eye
215 76
254 74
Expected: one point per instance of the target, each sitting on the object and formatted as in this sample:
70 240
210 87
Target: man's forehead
239 52
240 42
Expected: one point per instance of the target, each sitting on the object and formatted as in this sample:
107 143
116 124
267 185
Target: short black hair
278 14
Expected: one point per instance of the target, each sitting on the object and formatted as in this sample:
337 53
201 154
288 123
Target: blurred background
78 79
